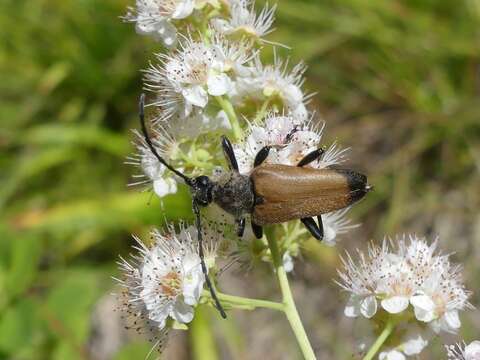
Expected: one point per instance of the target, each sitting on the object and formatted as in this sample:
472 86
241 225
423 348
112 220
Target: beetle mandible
271 194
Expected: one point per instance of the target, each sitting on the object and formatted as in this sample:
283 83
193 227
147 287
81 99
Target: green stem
263 110
290 308
227 106
245 303
387 331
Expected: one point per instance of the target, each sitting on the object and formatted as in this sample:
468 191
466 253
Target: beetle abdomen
288 192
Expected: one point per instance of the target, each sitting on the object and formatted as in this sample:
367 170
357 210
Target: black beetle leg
312 156
315 230
257 230
241 226
261 156
210 287
229 153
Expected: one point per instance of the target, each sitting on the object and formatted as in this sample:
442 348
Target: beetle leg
310 157
320 225
315 230
198 224
261 156
241 226
257 230
229 153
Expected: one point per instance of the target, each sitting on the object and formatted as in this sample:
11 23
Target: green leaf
69 305
137 350
25 253
19 326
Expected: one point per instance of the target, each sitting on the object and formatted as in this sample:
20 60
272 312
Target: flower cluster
406 277
166 279
462 351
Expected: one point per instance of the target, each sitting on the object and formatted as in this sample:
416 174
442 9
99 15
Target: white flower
276 84
166 278
411 344
334 224
153 17
462 351
153 170
190 75
244 21
290 139
236 55
403 274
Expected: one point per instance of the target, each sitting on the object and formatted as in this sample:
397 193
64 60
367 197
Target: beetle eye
203 180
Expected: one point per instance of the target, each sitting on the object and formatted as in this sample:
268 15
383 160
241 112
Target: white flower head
165 278
153 17
462 351
277 84
152 170
190 75
406 272
290 139
244 21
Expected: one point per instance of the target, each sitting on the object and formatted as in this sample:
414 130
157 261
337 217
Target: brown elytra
288 192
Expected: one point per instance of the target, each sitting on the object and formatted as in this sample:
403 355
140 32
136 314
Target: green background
398 81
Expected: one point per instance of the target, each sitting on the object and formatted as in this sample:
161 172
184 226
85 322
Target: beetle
271 194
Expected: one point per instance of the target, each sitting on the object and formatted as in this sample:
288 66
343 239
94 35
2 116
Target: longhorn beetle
271 194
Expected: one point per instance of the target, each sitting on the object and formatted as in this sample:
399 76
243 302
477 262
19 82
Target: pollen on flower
164 280
188 76
405 274
290 139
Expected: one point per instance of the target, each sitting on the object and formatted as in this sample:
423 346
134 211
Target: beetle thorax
234 194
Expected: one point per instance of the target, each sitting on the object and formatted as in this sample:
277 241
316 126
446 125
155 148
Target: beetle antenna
141 113
198 223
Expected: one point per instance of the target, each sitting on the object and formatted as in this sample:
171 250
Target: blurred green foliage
396 80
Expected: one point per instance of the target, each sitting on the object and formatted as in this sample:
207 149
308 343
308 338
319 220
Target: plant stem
245 303
227 106
387 331
289 304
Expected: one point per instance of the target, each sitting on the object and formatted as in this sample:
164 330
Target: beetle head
202 190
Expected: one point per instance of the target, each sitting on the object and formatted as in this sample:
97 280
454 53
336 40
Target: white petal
167 33
472 351
145 27
352 309
424 307
182 312
368 307
391 355
196 95
218 84
414 345
292 94
287 262
183 9
163 187
329 235
395 304
193 288
452 319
